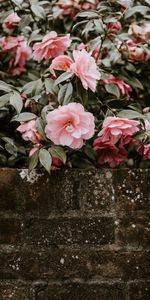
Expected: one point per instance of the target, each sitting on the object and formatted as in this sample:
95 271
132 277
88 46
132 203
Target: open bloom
51 46
29 132
69 125
121 86
9 22
108 154
61 63
115 128
85 68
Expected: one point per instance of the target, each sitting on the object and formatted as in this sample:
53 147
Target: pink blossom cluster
72 7
19 50
110 145
10 21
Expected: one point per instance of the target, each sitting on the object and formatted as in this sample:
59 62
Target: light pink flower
121 86
94 52
69 125
29 132
115 128
109 154
144 150
9 22
60 63
85 68
139 33
51 46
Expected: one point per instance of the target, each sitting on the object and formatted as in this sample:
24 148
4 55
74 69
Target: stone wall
75 235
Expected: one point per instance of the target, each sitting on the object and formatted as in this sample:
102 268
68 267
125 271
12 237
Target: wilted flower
121 86
19 50
51 46
69 125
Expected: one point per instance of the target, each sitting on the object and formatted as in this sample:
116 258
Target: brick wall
75 235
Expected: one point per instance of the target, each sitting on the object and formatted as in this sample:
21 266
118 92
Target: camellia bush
74 83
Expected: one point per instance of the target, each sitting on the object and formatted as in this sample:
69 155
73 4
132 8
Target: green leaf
147 115
50 88
40 125
33 160
5 87
17 2
38 11
63 77
136 9
112 89
23 117
57 151
88 14
45 159
16 101
4 99
25 21
33 87
65 94
130 114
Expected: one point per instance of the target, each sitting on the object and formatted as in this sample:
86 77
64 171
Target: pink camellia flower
144 150
51 46
60 63
113 28
29 132
115 128
94 52
9 22
139 33
108 154
121 86
134 52
85 68
70 125
20 53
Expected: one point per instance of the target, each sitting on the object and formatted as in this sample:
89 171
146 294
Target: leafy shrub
74 83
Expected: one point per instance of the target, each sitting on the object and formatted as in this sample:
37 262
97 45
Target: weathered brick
14 290
10 230
132 190
75 230
139 290
82 291
134 231
11 190
72 263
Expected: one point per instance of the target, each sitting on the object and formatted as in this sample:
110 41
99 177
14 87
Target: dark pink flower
108 154
144 151
113 28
